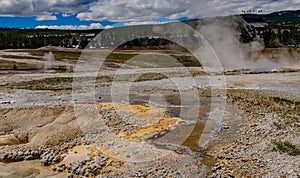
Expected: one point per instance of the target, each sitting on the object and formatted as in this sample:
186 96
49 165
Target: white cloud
91 26
108 27
296 1
61 6
71 27
66 14
134 10
61 27
41 7
147 22
16 7
119 10
140 10
45 17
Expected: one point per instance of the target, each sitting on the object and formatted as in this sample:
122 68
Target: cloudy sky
84 14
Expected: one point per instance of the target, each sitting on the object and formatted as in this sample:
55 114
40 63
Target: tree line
36 38
282 38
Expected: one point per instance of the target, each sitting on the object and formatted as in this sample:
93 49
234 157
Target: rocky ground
120 151
46 129
272 119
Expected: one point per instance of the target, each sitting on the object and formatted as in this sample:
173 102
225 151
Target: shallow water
200 135
191 132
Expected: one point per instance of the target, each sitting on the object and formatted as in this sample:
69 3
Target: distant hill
285 18
275 19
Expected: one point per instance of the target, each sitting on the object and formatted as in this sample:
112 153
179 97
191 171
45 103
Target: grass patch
9 65
129 77
56 83
104 78
287 109
286 101
287 147
119 57
58 55
18 57
150 76
65 83
188 61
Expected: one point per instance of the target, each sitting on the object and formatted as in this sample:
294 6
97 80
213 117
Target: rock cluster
21 155
89 167
49 158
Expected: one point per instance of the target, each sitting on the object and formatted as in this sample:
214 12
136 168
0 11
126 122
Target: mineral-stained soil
46 130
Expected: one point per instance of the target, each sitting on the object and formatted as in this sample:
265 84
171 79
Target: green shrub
287 147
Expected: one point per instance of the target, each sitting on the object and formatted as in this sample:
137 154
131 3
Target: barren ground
50 126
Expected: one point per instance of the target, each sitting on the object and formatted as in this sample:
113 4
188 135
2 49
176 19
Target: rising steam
224 37
49 59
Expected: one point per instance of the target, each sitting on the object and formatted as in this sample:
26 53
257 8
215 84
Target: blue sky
86 14
31 22
70 20
62 20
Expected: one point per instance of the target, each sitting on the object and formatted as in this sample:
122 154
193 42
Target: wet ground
182 116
